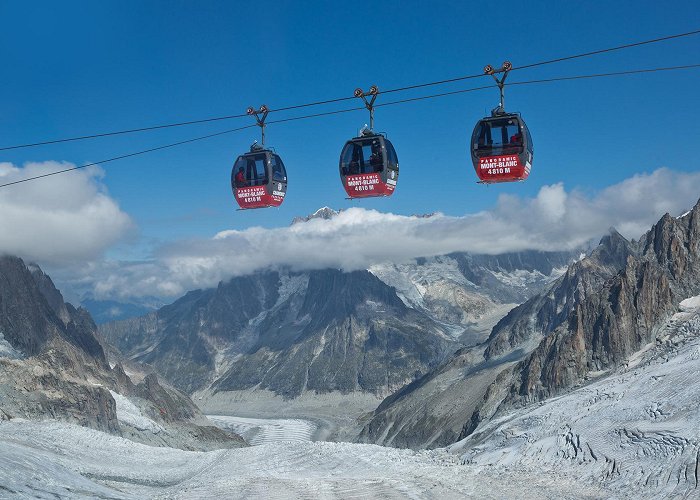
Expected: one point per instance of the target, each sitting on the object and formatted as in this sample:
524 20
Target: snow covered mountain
631 434
470 293
322 213
328 331
592 320
591 380
52 365
288 333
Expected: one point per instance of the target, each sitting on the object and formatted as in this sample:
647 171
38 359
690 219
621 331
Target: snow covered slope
258 431
632 433
50 459
636 432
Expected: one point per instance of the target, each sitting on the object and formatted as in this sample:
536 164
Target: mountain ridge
594 317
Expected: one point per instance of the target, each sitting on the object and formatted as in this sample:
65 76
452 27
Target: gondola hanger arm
369 104
260 117
500 82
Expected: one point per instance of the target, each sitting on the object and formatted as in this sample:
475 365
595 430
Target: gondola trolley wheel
263 108
373 90
358 92
250 110
488 69
507 66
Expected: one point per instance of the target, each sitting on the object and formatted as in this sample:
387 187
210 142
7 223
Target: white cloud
64 219
554 220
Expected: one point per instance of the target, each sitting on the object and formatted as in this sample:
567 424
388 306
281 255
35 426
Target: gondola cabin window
363 158
497 137
278 171
255 171
392 159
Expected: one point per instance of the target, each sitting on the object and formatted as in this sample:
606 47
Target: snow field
258 431
636 432
49 459
129 414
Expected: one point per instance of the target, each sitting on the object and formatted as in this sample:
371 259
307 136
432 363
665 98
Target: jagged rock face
58 349
55 367
32 313
181 339
609 325
319 331
35 389
545 312
355 335
603 310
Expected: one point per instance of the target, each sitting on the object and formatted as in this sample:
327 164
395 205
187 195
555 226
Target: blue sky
84 67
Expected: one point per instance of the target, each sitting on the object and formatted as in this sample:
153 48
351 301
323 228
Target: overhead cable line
542 63
545 80
315 115
348 110
601 75
121 132
129 155
611 49
341 99
179 143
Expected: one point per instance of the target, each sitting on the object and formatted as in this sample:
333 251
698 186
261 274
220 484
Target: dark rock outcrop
546 311
609 325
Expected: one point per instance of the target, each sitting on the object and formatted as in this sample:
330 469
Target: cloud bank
357 238
60 221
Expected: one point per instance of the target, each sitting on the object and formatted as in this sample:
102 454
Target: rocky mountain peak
50 292
33 314
325 213
612 250
334 294
616 317
290 333
674 243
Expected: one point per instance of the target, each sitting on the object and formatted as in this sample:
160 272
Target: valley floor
51 459
334 416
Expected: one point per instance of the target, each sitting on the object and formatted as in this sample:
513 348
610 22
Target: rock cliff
53 365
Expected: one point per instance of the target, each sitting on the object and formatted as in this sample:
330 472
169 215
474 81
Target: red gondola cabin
369 166
259 179
501 148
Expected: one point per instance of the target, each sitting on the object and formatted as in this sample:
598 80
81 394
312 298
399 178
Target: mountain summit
325 213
